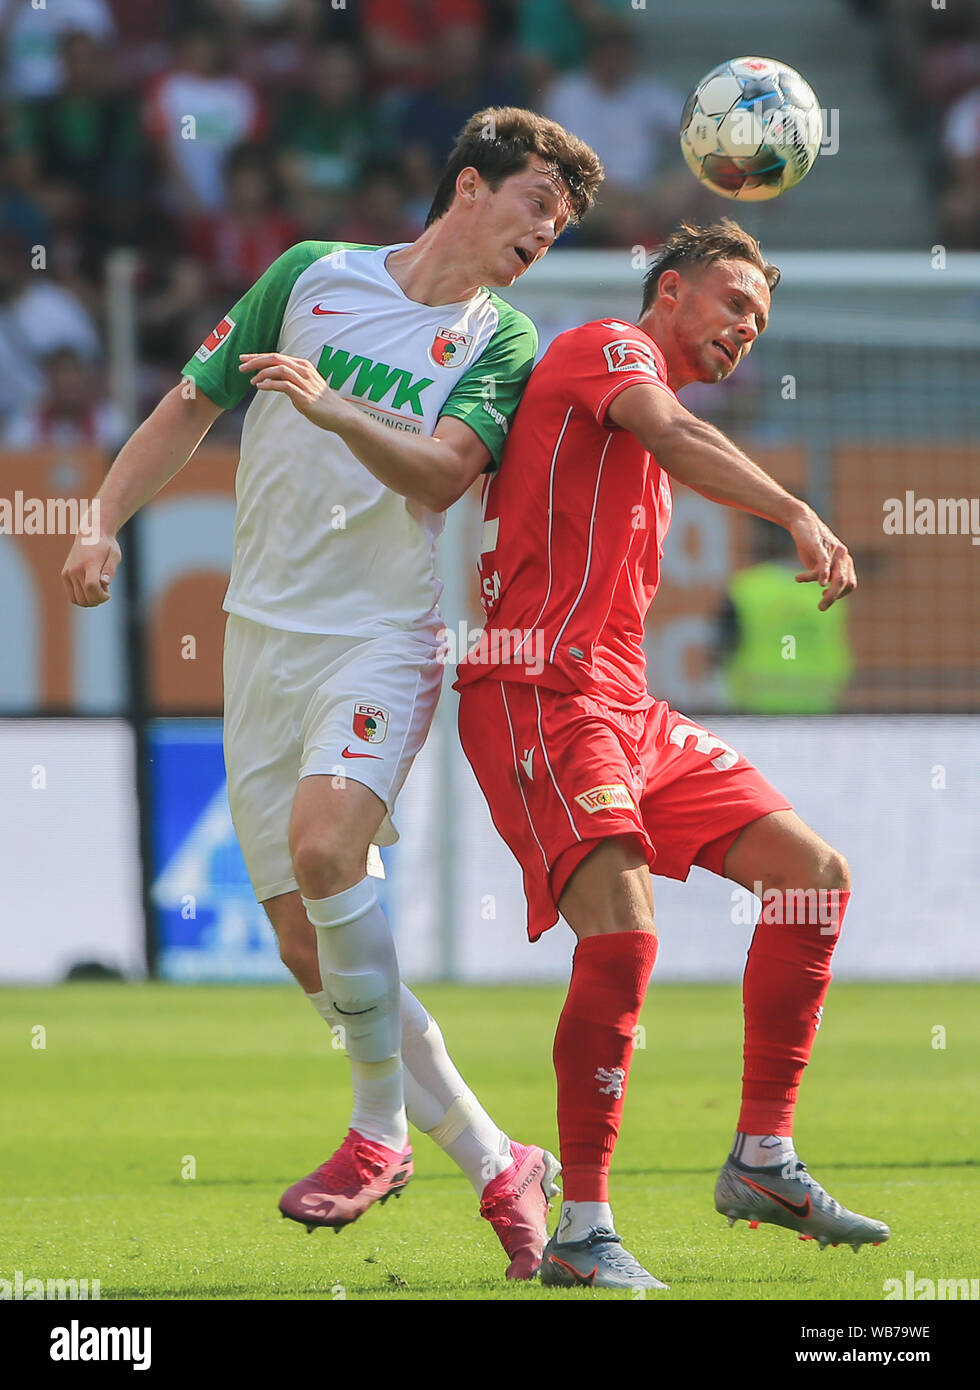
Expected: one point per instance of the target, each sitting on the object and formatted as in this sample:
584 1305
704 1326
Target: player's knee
619 918
299 956
323 867
818 866
833 871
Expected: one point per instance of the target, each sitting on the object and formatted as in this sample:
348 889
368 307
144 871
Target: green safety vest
772 608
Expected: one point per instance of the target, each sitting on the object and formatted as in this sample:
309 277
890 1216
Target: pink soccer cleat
516 1205
360 1173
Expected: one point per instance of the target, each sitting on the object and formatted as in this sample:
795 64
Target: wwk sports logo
450 348
214 339
370 723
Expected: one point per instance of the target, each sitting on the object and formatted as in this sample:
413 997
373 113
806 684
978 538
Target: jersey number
706 743
491 589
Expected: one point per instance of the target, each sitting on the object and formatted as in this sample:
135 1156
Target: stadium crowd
930 67
210 135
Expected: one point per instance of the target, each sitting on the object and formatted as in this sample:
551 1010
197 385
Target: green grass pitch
137 1087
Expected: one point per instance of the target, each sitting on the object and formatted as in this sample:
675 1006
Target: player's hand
298 379
89 570
827 559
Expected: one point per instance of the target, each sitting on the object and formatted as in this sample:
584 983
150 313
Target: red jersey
574 526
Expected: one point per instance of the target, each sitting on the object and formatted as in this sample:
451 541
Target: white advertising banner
899 797
69 850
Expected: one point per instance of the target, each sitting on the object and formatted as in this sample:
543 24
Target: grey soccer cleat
597 1262
788 1196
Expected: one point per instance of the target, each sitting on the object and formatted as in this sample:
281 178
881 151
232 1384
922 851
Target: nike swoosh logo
800 1209
348 754
318 310
586 1280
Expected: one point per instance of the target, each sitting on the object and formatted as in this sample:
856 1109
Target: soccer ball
751 129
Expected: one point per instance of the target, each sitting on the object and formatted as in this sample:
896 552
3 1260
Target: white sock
321 1002
440 1103
379 1102
579 1218
359 972
763 1150
437 1100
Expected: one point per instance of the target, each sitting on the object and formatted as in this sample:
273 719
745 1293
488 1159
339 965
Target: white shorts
299 704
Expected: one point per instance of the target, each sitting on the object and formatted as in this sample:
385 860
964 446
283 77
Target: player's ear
669 285
467 184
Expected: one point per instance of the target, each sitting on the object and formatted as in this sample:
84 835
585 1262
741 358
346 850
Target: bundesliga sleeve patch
602 798
628 355
214 339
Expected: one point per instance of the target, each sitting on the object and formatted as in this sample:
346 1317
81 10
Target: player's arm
698 454
151 456
432 470
469 435
166 440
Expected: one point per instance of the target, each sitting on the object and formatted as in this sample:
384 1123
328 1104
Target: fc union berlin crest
450 348
370 723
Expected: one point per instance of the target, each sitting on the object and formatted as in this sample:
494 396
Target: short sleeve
251 325
604 358
489 392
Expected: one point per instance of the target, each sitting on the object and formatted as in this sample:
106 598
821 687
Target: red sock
593 1047
785 983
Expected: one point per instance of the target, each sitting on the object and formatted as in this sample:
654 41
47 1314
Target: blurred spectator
271 40
144 45
780 654
257 11
31 38
83 133
433 116
195 115
961 146
950 68
89 147
325 132
236 245
377 215
24 201
73 409
553 36
398 37
629 119
37 315
172 288
633 217
929 56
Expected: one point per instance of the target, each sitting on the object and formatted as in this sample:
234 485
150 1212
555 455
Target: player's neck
654 326
433 270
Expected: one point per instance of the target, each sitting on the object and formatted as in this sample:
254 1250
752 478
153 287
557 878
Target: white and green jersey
320 544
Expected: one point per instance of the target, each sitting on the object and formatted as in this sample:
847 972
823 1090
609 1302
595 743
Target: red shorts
561 772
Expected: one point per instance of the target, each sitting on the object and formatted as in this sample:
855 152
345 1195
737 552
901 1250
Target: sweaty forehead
541 173
746 279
